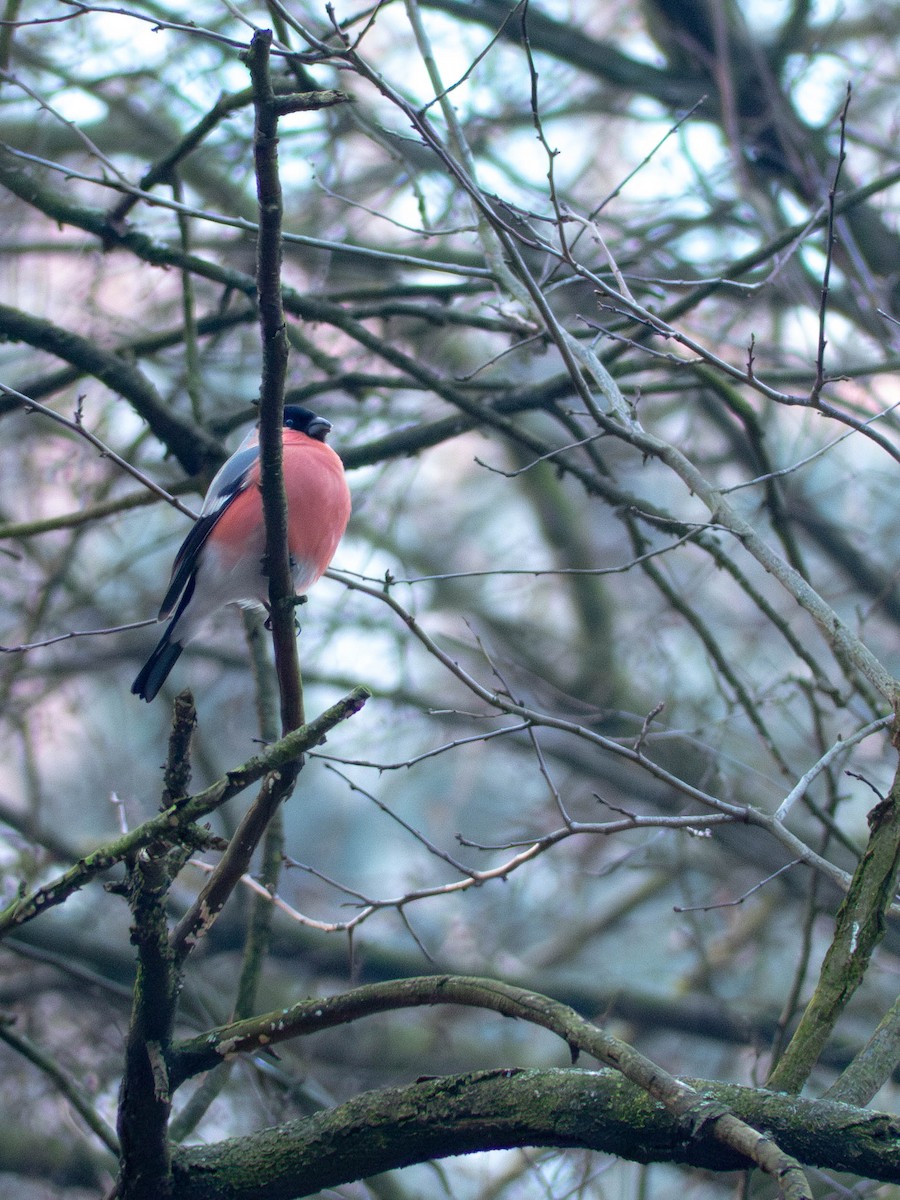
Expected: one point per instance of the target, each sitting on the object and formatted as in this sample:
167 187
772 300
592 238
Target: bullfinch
221 559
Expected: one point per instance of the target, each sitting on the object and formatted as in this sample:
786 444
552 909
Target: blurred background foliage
682 152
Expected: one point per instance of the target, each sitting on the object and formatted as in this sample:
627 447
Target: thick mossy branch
500 1109
859 928
682 1101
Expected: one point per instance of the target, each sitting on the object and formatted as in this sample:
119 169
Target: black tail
152 674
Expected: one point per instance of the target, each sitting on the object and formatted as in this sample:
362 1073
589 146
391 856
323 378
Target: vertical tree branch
259 920
260 909
7 30
274 371
820 379
177 771
278 784
188 308
145 1099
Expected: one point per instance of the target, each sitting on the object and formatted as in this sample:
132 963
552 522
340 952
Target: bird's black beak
319 428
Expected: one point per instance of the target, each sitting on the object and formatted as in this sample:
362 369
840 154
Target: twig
840 747
90 514
679 908
411 829
76 633
494 700
77 426
153 200
62 1081
820 379
406 763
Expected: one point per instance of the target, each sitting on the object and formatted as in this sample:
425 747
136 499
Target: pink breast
318 504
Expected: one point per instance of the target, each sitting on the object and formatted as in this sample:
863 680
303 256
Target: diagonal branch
193 448
175 821
859 928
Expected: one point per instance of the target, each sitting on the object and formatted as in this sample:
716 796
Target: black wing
231 480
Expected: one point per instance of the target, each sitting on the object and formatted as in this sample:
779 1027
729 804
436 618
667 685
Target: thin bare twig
498 701
841 746
76 425
820 379
740 899
76 633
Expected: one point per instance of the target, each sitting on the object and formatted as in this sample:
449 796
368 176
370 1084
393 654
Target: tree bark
500 1109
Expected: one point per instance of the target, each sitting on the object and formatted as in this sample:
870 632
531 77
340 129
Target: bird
221 560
